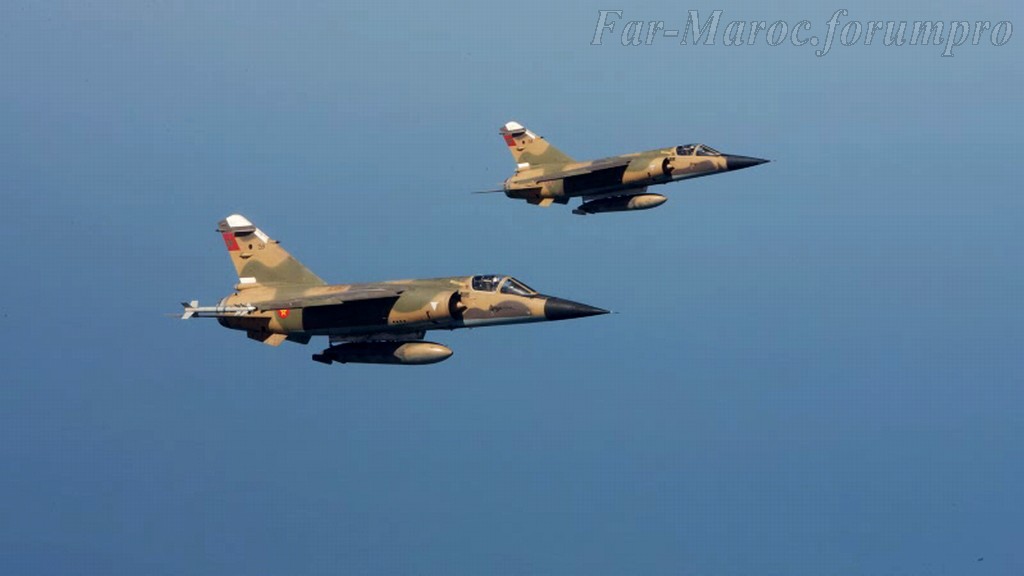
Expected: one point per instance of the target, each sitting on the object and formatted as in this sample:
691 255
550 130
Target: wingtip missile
194 310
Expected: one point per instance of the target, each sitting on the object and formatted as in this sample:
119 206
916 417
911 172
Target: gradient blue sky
815 369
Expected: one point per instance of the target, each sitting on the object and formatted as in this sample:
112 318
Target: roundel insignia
283 313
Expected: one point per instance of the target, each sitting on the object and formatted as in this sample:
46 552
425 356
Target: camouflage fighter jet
278 299
544 174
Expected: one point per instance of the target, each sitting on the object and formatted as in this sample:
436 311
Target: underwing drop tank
411 353
621 204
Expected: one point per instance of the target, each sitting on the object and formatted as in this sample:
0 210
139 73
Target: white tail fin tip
513 128
238 221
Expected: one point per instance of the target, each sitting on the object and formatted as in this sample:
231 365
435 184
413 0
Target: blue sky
814 369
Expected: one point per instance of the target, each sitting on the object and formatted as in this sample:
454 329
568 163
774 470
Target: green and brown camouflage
545 175
277 299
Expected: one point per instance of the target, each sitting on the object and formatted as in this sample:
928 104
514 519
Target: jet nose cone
559 309
739 162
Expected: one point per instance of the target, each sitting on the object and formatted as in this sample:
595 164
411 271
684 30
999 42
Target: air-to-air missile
545 175
278 299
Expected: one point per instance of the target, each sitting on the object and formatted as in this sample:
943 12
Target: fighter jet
545 175
278 299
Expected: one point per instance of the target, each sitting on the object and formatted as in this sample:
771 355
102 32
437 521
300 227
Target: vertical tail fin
260 260
529 148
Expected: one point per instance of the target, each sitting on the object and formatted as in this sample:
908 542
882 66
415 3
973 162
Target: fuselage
412 306
620 175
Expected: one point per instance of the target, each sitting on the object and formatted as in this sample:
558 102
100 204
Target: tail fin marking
260 260
529 149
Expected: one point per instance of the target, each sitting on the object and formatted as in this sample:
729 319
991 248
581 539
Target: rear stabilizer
260 260
529 149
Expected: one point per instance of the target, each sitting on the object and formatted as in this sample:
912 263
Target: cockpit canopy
696 150
507 284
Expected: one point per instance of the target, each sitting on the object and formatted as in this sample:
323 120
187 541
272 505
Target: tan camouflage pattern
432 304
529 148
254 255
544 175
278 299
